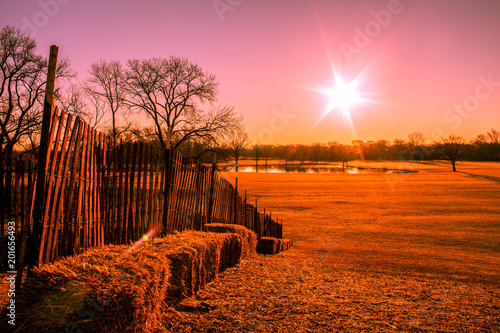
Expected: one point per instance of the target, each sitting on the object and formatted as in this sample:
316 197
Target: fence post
236 201
166 190
264 225
211 197
256 221
246 221
34 253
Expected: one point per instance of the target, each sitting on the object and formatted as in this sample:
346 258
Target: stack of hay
271 245
123 288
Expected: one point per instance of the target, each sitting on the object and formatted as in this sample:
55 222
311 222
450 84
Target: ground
416 252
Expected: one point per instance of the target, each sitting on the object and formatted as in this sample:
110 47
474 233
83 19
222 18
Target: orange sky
430 66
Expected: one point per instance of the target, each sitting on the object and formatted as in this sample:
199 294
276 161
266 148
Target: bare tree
23 77
238 141
22 83
106 85
416 141
452 148
493 136
171 92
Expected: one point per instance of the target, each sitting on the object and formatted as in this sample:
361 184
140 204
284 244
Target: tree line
485 147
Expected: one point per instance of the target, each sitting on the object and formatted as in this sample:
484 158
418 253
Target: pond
312 169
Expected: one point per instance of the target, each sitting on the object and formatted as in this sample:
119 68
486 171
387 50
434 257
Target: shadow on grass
495 179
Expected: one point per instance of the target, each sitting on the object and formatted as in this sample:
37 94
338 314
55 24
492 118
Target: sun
343 96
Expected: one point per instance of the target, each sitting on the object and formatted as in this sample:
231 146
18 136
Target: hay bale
231 251
285 244
249 246
268 245
271 245
111 288
200 260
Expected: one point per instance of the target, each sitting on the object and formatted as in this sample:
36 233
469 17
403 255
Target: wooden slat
157 203
73 149
123 190
138 191
130 227
164 188
148 190
192 195
174 194
181 209
81 188
124 219
87 190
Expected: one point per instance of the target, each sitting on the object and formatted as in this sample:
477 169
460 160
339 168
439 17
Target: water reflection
311 169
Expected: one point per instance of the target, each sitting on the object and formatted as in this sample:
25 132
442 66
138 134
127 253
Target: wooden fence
97 193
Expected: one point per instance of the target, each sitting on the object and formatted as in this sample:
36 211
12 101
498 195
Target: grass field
415 252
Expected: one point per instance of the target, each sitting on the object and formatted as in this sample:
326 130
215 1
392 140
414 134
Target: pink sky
418 64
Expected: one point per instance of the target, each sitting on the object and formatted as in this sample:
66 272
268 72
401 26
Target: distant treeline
485 147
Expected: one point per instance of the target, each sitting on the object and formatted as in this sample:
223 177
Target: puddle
312 169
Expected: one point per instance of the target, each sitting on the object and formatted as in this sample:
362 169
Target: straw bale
110 288
197 264
271 245
249 246
268 245
281 245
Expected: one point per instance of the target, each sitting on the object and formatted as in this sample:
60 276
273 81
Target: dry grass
372 253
